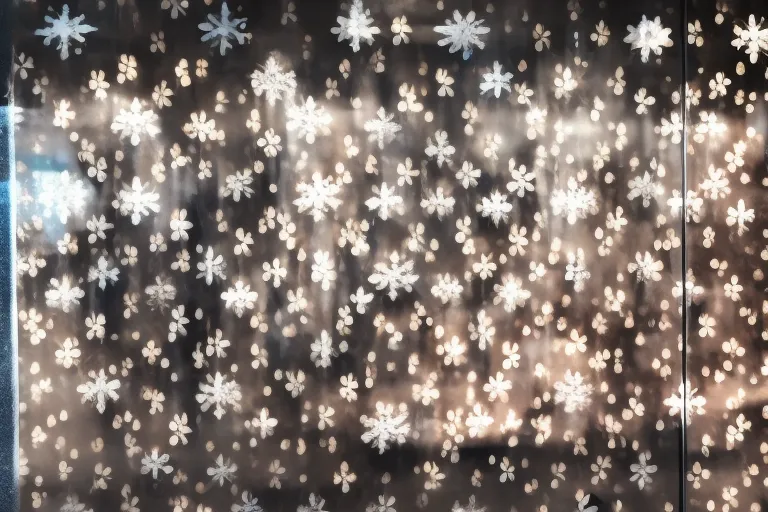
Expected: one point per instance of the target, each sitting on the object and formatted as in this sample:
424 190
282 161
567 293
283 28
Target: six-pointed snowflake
273 82
462 33
309 120
573 392
496 81
135 201
386 427
649 36
99 389
135 122
221 30
66 30
357 27
381 128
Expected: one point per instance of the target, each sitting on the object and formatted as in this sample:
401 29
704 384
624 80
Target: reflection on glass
388 256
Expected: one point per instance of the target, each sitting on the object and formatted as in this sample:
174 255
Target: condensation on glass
389 256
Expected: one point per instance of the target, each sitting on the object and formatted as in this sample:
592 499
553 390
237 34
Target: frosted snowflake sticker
273 82
135 122
462 33
136 201
496 81
573 392
309 120
753 38
382 129
649 36
99 390
65 29
386 427
221 30
358 26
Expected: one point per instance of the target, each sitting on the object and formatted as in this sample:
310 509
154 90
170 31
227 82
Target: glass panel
380 256
726 256
9 412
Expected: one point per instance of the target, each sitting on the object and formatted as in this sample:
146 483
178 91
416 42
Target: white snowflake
521 180
63 295
385 427
437 202
576 202
440 148
316 504
462 33
250 504
239 298
646 267
496 81
382 129
740 215
273 81
692 403
238 184
309 120
318 196
582 506
576 270
65 29
394 276
642 471
103 272
156 462
358 26
496 207
222 471
573 392
361 299
649 35
264 423
219 393
511 293
468 175
133 200
160 293
644 186
386 201
753 37
176 6
471 506
99 390
60 193
213 265
135 122
322 350
221 29
323 271
72 504
447 289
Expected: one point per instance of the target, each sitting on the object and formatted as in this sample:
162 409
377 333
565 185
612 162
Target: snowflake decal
221 30
462 33
309 120
496 81
135 122
272 82
99 389
649 36
66 30
382 129
249 272
385 427
357 27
